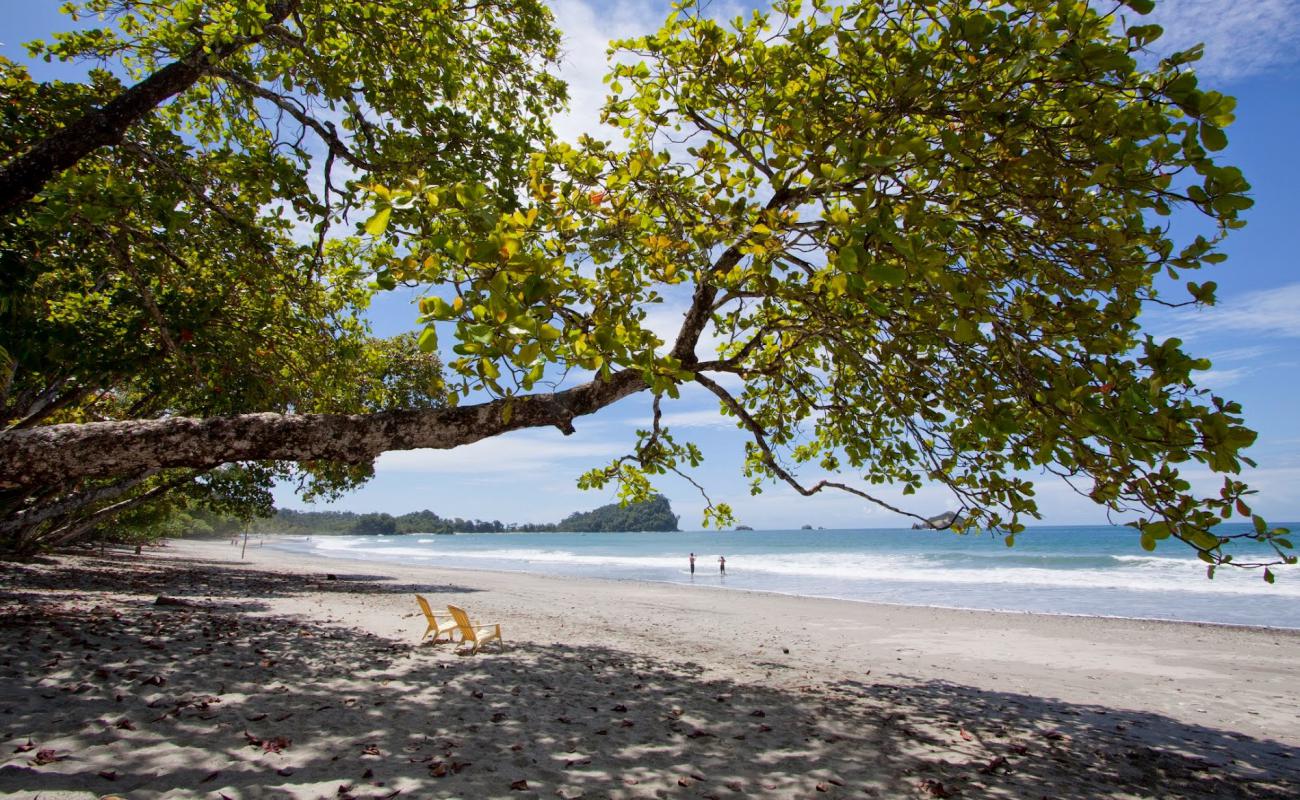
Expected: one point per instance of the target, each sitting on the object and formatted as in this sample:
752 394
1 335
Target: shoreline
606 688
779 593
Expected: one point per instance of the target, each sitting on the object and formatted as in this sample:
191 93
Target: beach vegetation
911 241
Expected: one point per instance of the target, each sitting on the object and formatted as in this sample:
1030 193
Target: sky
1252 335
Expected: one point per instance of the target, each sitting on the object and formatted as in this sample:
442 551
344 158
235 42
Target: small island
945 520
743 528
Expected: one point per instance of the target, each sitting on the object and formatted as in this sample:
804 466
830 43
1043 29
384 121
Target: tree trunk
57 453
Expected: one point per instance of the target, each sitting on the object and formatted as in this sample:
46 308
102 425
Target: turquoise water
1095 571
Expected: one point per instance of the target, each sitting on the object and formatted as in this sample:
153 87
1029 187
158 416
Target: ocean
1082 570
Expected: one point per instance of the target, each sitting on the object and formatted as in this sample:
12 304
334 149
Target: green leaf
428 341
1213 137
1141 6
378 223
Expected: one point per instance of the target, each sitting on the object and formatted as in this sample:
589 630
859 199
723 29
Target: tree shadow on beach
185 702
195 578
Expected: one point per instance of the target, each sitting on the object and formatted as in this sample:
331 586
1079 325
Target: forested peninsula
655 514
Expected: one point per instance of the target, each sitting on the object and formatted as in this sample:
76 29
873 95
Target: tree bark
24 177
57 453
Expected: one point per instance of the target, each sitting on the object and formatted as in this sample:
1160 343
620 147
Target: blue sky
1252 336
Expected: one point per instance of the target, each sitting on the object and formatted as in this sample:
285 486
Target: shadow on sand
144 702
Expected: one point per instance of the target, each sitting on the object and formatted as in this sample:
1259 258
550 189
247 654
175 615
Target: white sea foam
1132 573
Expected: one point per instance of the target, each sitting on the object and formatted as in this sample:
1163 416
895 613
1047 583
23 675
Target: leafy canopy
922 235
195 268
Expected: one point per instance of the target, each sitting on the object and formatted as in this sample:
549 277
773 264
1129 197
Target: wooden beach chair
479 635
435 627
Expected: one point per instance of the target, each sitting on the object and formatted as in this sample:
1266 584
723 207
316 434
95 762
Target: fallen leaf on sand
994 763
735 786
212 776
153 680
698 734
764 728
821 787
576 762
438 770
934 788
1019 749
683 781
519 785
107 774
457 766
625 723
964 734
44 757
476 694
23 748
370 750
620 708
758 712
285 772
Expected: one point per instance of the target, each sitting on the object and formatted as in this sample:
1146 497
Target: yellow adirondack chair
479 635
435 627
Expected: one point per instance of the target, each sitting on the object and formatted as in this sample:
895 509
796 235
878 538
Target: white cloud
1272 312
511 455
588 29
1241 38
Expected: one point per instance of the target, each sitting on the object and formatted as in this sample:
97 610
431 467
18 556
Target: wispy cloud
1241 38
513 455
1273 312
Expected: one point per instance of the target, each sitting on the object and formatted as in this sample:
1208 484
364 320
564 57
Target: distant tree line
655 514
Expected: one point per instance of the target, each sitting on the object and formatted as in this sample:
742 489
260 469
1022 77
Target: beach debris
520 785
934 788
107 774
370 750
179 602
23 748
47 756
275 744
993 764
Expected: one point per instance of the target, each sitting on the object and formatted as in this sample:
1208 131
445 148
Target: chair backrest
462 622
424 606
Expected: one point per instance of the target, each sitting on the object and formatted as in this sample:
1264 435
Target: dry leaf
107 774
519 785
23 748
934 788
994 763
964 734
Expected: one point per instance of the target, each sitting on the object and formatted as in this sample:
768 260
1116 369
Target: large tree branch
65 452
24 177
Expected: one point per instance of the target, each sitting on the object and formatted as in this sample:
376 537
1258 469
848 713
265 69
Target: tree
172 260
921 234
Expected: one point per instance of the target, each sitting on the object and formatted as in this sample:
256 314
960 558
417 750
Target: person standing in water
692 563
722 565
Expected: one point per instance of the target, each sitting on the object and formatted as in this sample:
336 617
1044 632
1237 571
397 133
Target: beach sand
276 680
